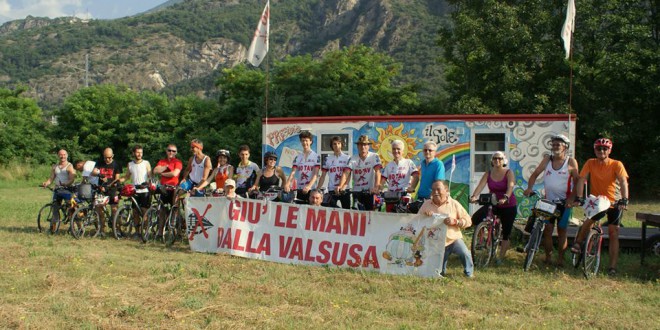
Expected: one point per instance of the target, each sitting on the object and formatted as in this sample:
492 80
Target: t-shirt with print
304 166
108 171
334 166
363 171
398 175
244 173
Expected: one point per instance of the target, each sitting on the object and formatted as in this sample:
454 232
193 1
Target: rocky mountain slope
182 46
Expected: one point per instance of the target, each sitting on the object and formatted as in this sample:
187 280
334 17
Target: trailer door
483 144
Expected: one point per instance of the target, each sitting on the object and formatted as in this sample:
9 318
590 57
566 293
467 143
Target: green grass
59 282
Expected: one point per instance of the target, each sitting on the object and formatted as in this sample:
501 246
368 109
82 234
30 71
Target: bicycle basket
545 208
128 190
287 197
487 199
594 205
102 199
85 191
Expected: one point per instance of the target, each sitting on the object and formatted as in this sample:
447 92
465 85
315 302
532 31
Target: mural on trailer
526 143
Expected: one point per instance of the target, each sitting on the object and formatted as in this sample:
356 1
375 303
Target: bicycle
88 213
487 235
364 194
123 223
273 193
45 215
543 210
150 227
175 226
590 249
402 200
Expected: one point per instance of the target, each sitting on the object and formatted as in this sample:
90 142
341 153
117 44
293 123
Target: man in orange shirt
605 176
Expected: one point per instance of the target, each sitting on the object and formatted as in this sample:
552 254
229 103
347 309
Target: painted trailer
469 140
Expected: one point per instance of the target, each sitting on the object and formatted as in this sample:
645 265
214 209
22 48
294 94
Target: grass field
59 282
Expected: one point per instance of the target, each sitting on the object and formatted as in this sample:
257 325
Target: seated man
457 219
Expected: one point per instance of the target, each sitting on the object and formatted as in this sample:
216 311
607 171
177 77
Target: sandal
575 248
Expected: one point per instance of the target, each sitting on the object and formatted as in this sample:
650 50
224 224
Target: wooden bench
652 219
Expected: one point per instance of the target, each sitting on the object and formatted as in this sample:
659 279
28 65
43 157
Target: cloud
18 9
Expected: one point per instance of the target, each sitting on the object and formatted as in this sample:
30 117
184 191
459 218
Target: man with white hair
398 174
560 176
432 169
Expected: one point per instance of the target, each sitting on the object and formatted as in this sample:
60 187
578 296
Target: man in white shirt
305 168
333 167
365 168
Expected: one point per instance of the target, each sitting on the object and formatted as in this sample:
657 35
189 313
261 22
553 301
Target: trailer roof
424 118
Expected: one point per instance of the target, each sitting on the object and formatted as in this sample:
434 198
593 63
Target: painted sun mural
383 144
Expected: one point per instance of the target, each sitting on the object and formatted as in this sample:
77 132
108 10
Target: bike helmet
603 142
562 138
128 190
222 152
270 154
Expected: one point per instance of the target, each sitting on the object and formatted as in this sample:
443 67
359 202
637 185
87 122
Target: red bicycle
487 235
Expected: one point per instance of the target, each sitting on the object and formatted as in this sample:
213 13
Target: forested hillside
178 47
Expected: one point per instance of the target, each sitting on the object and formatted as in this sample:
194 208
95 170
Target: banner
306 235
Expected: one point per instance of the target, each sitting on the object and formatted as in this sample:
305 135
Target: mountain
180 46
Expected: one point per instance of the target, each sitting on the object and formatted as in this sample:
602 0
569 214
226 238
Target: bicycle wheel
533 244
150 225
85 222
481 247
122 223
591 254
170 230
496 239
45 217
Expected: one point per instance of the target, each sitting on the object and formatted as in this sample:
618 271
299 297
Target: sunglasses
108 157
602 148
498 158
170 150
428 150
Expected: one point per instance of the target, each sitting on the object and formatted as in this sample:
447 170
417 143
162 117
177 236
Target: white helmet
562 138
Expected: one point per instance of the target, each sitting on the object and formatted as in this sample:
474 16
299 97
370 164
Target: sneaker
611 272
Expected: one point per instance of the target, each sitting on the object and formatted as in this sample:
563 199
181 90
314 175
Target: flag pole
266 105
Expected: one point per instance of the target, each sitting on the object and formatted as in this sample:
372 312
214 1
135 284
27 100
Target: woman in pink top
500 181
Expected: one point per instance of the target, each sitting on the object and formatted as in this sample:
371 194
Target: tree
507 57
112 116
22 128
504 57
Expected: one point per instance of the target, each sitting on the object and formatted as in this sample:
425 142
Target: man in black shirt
109 175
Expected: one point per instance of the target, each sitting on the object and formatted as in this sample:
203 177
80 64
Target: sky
100 9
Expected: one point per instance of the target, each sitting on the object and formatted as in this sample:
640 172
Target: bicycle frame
490 242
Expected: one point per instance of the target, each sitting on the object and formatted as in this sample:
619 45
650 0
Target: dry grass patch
59 282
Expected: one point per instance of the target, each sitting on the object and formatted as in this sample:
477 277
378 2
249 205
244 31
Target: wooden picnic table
652 219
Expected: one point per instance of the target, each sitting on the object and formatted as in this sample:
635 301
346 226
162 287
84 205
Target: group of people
399 177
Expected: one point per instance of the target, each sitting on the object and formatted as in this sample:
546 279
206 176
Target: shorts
143 199
331 199
613 216
167 196
113 195
566 215
302 197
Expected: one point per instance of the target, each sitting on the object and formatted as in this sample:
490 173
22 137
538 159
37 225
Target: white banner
306 235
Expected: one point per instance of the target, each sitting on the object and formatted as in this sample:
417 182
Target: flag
259 46
569 27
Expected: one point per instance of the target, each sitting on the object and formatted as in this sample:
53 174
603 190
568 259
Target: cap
230 182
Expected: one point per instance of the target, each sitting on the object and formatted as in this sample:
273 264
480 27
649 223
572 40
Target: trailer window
485 144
